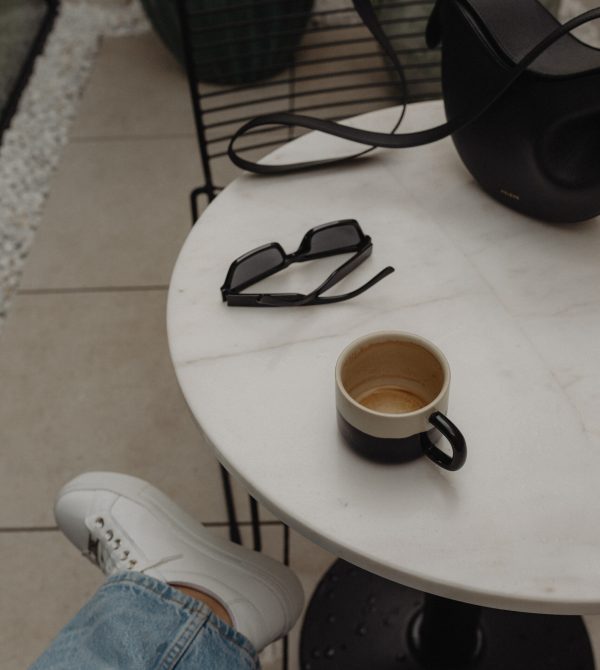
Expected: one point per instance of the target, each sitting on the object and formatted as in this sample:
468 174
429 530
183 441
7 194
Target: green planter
234 41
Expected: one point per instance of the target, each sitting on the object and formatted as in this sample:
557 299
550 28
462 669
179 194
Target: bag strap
387 140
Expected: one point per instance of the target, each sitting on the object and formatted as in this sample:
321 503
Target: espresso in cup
392 398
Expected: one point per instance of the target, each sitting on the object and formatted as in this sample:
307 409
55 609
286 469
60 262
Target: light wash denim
135 622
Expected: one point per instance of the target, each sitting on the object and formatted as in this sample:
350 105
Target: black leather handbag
522 99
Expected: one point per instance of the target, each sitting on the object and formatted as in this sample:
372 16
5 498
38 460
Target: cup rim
400 335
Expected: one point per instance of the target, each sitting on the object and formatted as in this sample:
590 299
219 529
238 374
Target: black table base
358 621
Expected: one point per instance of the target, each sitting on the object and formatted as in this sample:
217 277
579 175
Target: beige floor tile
117 215
45 582
136 89
87 384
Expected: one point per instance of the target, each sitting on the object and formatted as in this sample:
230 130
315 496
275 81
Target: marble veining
513 304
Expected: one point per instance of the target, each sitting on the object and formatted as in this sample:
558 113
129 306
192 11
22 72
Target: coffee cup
392 399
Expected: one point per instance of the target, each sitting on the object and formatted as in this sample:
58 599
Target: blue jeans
135 622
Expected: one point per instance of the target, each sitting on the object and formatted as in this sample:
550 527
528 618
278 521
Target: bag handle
386 140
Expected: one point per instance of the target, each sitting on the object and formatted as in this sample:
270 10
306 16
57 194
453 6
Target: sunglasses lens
256 265
335 237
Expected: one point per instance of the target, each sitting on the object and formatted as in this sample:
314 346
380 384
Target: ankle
214 604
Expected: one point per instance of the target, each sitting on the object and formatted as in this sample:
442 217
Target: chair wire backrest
245 57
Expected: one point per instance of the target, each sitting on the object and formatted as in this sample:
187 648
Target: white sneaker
124 523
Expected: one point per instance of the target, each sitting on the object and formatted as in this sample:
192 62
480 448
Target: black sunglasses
329 239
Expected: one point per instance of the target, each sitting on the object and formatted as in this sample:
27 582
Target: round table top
512 302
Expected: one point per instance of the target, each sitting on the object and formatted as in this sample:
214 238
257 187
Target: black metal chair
247 57
322 63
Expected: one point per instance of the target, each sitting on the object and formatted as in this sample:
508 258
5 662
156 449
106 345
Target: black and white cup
392 398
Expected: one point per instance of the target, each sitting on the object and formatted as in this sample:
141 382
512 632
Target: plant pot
234 41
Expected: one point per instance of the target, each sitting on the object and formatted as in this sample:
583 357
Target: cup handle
454 437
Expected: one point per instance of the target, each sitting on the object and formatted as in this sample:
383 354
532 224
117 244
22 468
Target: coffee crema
391 399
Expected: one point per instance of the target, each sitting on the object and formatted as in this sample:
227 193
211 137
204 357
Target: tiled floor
87 381
86 377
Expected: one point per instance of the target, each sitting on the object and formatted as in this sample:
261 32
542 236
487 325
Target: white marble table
513 303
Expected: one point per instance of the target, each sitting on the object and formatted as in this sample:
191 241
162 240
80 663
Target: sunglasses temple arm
365 287
343 271
298 299
281 299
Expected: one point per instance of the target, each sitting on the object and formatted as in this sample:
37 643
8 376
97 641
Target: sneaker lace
109 549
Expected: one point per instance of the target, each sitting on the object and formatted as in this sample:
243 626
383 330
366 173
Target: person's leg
176 594
135 622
